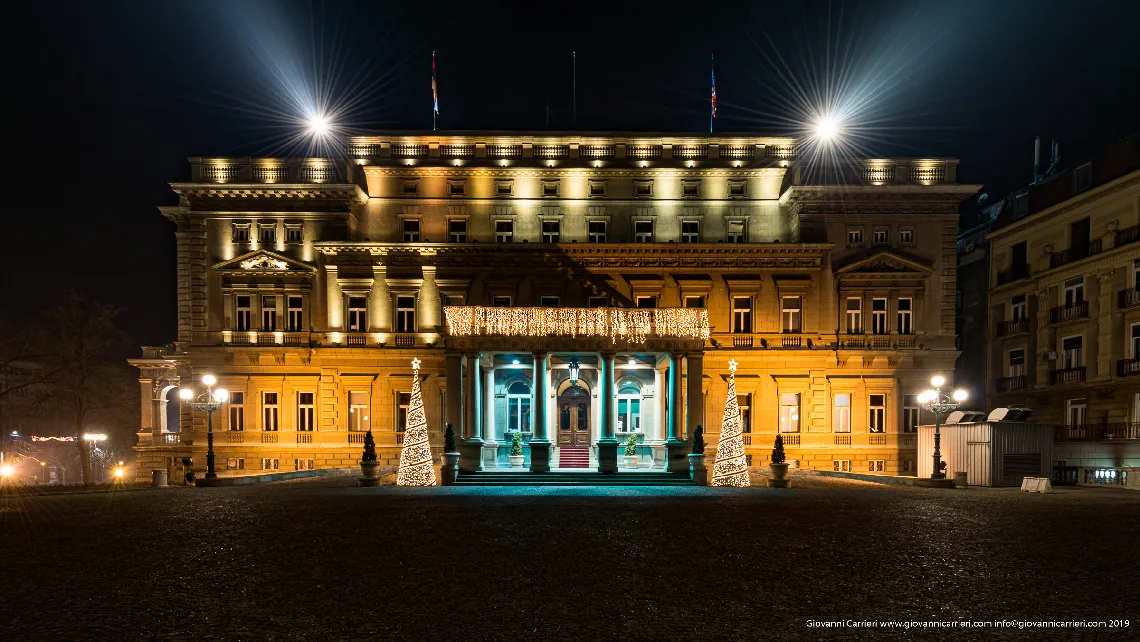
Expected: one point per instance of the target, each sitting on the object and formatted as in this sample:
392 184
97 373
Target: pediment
885 263
260 261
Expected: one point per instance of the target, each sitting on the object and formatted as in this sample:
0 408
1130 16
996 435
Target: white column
490 434
658 404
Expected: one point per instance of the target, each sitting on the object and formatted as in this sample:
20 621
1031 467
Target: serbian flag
713 68
434 94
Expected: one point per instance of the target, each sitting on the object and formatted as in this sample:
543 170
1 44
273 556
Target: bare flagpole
575 90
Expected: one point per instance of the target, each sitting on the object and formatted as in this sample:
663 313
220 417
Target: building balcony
1099 432
1128 367
1128 298
1011 328
1014 273
1011 384
1065 376
1057 259
1126 236
827 440
1066 313
769 340
263 337
279 438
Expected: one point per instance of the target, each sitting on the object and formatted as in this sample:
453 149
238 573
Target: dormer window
240 233
550 189
643 189
736 189
267 232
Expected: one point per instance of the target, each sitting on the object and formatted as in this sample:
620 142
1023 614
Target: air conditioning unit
1049 356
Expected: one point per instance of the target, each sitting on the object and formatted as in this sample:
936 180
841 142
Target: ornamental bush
631 445
369 456
516 444
699 441
778 451
449 440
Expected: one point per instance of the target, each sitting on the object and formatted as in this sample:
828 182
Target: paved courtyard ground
322 559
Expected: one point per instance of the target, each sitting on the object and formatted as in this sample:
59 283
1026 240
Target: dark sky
105 100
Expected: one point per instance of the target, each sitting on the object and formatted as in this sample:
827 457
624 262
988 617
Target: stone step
591 478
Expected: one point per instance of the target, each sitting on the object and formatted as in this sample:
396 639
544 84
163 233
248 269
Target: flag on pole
434 93
712 114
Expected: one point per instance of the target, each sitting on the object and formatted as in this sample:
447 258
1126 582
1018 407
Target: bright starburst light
826 128
318 125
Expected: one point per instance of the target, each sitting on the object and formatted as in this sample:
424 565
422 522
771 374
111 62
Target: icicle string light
627 324
415 458
730 468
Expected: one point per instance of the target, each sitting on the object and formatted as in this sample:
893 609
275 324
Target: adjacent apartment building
577 290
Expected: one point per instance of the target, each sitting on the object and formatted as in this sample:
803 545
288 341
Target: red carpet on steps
574 457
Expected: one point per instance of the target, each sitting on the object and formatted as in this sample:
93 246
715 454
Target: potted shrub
697 468
778 466
631 450
369 466
450 458
516 456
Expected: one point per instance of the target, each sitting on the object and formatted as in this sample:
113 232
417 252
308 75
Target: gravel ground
322 559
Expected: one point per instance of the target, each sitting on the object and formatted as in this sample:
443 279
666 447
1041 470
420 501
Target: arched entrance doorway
574 416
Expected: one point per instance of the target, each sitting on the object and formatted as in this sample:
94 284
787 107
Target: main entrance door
574 417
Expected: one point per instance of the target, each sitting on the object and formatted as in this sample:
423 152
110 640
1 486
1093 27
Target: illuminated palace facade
579 290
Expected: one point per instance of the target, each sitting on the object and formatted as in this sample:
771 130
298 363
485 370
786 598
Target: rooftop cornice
1129 180
833 193
451 171
300 191
570 137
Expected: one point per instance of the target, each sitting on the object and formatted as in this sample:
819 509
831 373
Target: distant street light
207 402
938 403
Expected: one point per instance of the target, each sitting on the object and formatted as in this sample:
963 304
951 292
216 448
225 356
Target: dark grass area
322 559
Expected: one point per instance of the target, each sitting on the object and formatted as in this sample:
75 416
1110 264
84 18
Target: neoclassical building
578 290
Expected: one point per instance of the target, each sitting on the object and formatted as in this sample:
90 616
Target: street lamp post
938 403
207 402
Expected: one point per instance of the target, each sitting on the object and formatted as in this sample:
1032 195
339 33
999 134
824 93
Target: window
518 407
1082 177
877 421
269 313
841 413
791 315
878 316
504 188
597 189
1020 205
841 465
551 231
629 409
1134 341
548 302
457 231
235 463
694 302
744 402
876 465
305 410
645 301
1019 309
735 232
690 232
1017 362
1136 274
1074 291
403 404
1075 410
742 314
269 463
411 231
410 187
906 236
504 231
405 314
456 188
267 233
910 413
358 411
501 301
597 231
550 189
236 400
357 314
293 233
240 233
903 312
736 189
643 189
296 314
1071 348
269 411
854 315
790 412
303 464
242 313
854 235
690 189
879 235
643 231
907 466
597 302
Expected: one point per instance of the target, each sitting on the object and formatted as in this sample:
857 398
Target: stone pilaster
471 451
607 443
539 444
675 450
1101 312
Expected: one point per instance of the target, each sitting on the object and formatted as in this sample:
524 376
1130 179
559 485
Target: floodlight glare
937 381
209 380
826 128
6 471
318 125
186 393
221 394
960 395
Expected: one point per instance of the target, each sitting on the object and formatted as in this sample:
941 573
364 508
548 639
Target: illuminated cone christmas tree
415 459
730 468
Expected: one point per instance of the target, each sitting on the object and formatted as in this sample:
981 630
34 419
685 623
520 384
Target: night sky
105 100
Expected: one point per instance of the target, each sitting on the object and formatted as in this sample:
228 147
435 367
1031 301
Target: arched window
629 408
518 407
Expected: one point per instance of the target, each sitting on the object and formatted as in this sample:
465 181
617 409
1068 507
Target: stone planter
516 461
630 462
449 469
779 478
369 473
698 471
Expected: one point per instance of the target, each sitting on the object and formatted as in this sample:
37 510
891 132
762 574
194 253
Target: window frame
789 413
405 315
357 316
742 316
236 411
911 414
270 411
549 236
879 317
407 234
791 319
358 413
690 231
854 235
841 413
1012 369
549 301
504 231
294 315
240 232
904 324
734 236
306 411
880 235
456 236
877 413
294 233
854 316
521 401
641 236
595 236
497 301
243 314
1073 291
1073 357
268 312
267 233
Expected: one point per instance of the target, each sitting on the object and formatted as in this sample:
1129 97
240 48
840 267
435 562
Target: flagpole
433 92
575 108
712 109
